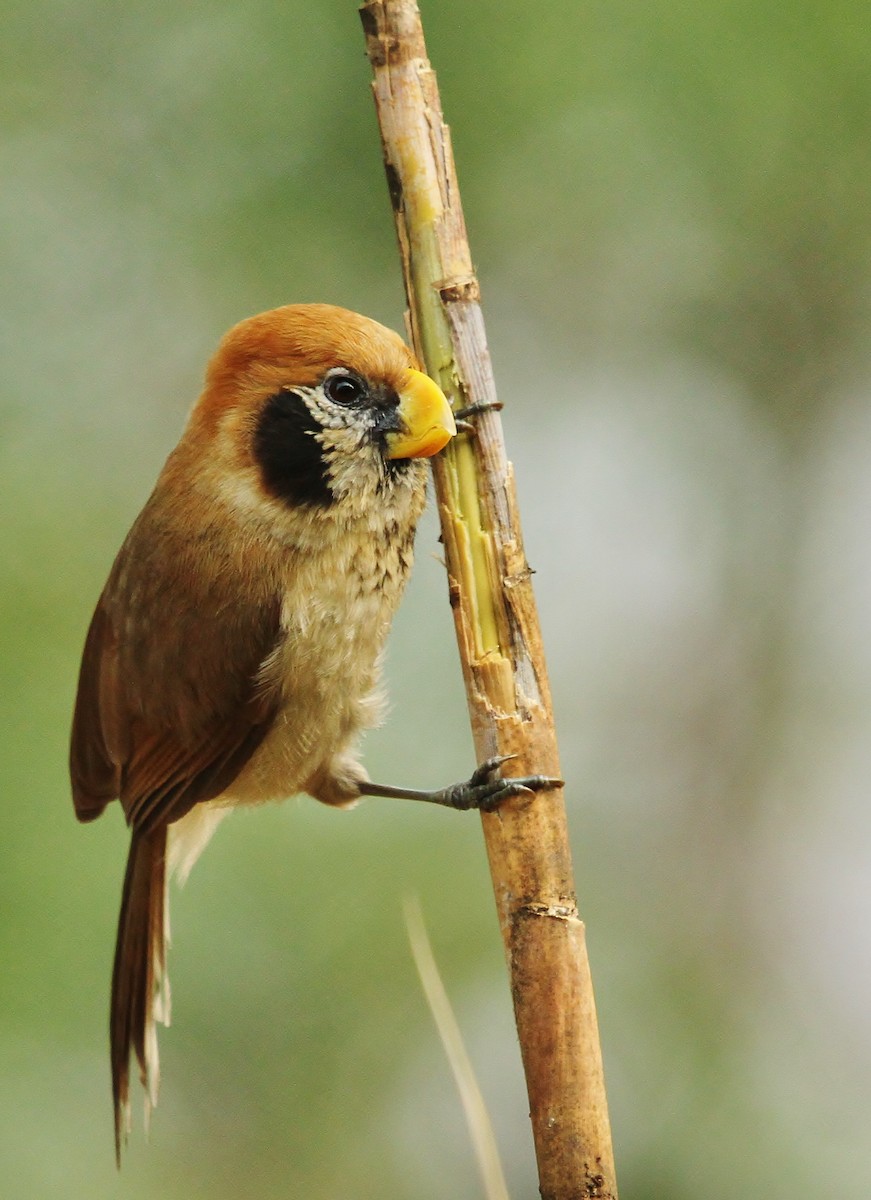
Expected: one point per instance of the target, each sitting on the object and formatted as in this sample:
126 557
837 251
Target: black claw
484 773
508 790
473 410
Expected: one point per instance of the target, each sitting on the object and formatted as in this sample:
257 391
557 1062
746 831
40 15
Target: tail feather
140 992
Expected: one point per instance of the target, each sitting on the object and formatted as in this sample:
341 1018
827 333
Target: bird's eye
344 389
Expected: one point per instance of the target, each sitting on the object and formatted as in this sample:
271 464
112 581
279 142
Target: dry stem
477 1117
497 625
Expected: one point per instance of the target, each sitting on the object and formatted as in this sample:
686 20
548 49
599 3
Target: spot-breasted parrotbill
234 654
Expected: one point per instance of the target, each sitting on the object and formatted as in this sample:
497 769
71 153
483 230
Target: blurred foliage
669 208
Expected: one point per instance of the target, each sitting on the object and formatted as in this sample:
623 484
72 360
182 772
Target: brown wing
95 776
168 708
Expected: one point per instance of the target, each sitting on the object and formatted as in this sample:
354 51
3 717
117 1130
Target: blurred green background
669 205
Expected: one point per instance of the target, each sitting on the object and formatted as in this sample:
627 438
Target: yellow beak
427 420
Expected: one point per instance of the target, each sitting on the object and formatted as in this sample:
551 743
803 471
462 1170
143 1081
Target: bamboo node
558 912
453 291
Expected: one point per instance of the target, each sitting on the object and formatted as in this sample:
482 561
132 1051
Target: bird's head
316 406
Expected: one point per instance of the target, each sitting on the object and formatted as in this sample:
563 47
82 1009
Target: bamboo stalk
497 625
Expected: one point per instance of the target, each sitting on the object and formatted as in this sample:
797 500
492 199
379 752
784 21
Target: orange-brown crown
297 344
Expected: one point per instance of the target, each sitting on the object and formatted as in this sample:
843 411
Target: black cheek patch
291 460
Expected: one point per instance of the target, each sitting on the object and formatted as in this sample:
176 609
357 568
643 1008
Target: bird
234 654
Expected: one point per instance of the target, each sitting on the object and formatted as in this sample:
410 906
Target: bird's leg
485 790
474 410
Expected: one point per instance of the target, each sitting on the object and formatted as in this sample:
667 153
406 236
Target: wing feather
169 708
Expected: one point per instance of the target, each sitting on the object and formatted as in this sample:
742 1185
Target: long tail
140 993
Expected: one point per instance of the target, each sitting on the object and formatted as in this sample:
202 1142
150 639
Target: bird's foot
474 410
484 790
